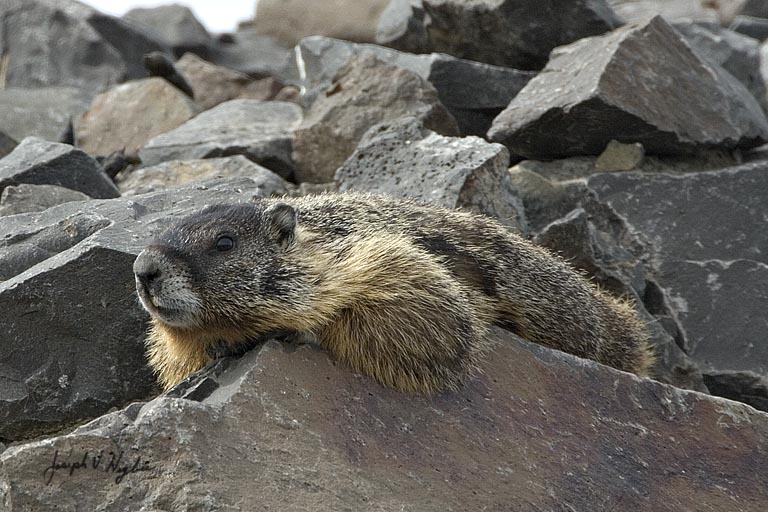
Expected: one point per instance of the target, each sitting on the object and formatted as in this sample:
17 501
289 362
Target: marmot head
221 268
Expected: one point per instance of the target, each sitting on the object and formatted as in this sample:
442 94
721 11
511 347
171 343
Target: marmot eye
225 243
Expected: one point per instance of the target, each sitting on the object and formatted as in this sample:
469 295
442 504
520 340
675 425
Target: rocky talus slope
628 136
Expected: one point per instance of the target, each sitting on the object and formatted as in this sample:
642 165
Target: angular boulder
37 45
454 79
537 429
258 56
364 92
182 172
39 162
176 25
513 33
402 158
708 242
263 131
72 328
214 84
43 112
641 83
128 115
736 53
66 43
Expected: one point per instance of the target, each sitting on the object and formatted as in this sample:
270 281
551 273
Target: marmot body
397 290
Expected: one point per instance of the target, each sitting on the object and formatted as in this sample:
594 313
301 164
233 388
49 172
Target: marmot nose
147 270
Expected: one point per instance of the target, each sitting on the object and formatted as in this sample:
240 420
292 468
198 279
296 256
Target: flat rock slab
43 112
404 159
73 329
287 430
183 172
130 114
25 198
513 33
709 241
454 79
39 162
263 131
640 83
365 92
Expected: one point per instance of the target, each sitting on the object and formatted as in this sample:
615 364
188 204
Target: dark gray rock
709 246
402 26
565 217
736 53
176 25
39 162
6 144
597 241
513 33
260 130
42 112
757 8
257 56
46 45
641 83
455 80
404 159
130 41
24 246
537 428
161 65
72 328
181 172
214 84
745 387
66 43
128 115
364 92
35 198
751 26
544 200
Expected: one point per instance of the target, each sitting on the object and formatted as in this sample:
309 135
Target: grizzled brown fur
396 290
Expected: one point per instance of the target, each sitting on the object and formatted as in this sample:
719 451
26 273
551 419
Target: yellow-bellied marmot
397 290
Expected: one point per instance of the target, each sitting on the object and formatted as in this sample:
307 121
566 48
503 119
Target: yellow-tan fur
405 294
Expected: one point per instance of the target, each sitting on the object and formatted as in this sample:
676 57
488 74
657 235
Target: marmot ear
281 220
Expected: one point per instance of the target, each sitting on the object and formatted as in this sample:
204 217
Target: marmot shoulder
397 290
